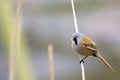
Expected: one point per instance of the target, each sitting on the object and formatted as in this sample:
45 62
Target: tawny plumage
87 47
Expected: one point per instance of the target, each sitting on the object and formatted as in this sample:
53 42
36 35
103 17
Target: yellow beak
71 39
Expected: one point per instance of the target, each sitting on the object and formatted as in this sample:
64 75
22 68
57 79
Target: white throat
73 45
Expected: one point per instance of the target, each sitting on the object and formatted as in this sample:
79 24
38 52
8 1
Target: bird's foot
82 60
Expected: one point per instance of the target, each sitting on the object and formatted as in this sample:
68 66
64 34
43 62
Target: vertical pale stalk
23 67
74 16
51 61
15 41
76 29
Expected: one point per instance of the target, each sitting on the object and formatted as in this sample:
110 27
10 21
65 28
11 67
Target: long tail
104 61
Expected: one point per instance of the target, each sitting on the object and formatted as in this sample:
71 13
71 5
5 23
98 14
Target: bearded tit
87 47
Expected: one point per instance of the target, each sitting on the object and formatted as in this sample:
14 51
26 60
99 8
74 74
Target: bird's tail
104 61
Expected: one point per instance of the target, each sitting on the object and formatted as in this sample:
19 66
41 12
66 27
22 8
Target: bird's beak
71 39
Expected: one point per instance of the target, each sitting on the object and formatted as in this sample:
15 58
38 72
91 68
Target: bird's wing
93 49
90 46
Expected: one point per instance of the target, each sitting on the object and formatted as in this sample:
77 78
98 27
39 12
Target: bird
85 46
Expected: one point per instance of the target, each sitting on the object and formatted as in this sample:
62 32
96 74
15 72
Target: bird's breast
84 51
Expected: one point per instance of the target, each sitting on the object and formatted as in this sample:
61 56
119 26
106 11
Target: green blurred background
51 21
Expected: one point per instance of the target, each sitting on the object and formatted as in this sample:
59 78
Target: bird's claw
81 61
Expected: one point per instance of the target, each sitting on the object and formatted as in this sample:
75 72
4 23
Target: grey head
76 39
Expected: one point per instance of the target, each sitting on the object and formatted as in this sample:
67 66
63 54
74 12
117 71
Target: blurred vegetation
20 65
45 21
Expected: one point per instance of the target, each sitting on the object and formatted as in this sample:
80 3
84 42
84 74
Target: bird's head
76 39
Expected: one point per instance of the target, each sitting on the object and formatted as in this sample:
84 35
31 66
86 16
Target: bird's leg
82 60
